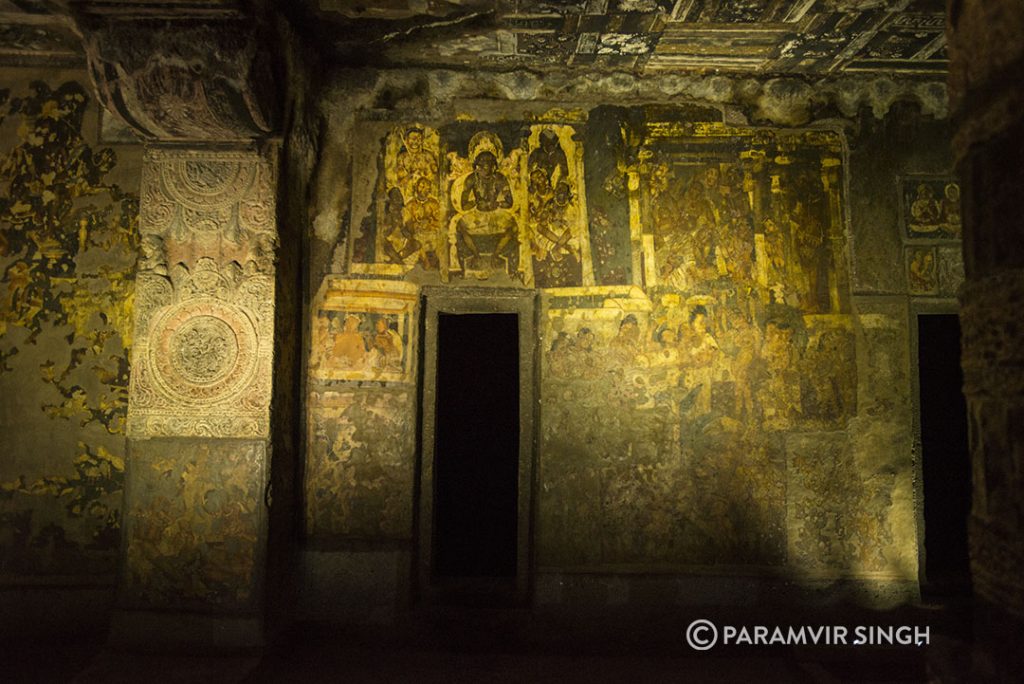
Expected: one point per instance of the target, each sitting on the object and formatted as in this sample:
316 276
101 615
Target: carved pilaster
993 362
195 81
199 422
202 359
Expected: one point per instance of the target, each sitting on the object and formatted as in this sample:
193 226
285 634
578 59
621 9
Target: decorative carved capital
197 78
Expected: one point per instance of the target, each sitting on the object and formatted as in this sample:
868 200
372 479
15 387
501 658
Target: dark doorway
476 461
945 459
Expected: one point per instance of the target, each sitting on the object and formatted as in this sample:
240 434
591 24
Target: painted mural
922 271
951 270
409 224
931 208
666 444
365 331
362 410
699 350
931 220
68 235
193 523
473 202
361 485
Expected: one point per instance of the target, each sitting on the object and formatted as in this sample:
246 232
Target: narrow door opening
476 456
945 459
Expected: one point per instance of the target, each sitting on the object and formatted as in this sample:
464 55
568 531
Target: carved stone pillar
987 53
200 442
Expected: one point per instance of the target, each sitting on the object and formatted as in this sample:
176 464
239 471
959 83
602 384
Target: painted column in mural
199 419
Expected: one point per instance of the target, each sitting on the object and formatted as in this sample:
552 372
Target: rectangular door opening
476 451
945 458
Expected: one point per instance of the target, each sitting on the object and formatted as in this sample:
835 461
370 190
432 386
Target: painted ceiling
814 37
759 36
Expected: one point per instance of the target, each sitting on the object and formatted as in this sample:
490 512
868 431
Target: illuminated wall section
68 236
711 396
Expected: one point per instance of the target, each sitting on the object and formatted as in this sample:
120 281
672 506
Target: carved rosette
203 365
202 361
203 351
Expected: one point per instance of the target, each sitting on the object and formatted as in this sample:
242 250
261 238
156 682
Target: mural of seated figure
486 229
556 248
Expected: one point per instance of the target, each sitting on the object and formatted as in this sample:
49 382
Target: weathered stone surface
987 52
993 352
951 271
883 362
993 227
194 521
360 464
890 160
985 39
850 503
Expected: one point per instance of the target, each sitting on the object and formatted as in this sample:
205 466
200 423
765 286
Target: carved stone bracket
201 78
202 360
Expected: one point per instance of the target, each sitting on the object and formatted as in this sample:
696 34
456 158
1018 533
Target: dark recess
477 447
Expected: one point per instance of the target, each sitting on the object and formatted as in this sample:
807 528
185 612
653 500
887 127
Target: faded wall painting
932 230
360 484
193 521
364 330
922 271
700 352
557 211
666 443
407 209
68 237
951 270
361 410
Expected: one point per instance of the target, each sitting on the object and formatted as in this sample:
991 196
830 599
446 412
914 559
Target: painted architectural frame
364 330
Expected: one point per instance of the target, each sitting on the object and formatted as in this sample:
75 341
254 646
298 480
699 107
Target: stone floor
508 646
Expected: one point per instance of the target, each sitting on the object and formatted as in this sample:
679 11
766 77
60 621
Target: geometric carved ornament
204 313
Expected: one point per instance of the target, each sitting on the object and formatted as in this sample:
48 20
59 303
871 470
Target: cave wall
726 296
726 290
69 182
